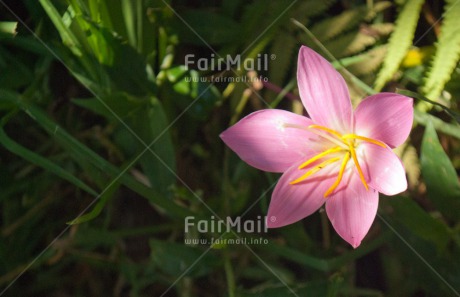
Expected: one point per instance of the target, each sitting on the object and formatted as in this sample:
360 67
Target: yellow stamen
339 178
314 170
355 159
319 156
334 138
354 136
333 132
345 143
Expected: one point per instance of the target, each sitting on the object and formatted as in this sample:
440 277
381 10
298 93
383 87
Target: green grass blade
103 199
130 22
68 38
423 119
79 151
455 115
38 160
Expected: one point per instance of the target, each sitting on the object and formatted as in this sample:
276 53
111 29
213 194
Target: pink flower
337 156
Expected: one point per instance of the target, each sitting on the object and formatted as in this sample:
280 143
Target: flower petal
323 91
352 210
262 140
383 169
387 117
291 203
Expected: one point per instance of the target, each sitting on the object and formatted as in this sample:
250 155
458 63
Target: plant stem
229 273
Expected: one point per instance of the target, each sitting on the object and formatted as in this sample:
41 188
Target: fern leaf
359 43
372 59
447 52
400 41
353 42
376 8
349 44
332 27
408 155
382 29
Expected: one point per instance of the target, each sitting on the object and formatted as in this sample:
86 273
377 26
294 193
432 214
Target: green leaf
369 61
159 161
80 152
92 36
423 118
447 52
103 198
130 21
455 115
350 18
100 13
28 44
8 28
101 52
67 36
145 118
121 105
127 68
188 86
176 258
419 222
128 72
350 43
38 160
439 175
411 161
400 41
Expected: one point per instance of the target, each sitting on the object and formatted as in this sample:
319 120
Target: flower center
345 144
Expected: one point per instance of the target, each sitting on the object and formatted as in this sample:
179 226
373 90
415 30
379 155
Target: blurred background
108 141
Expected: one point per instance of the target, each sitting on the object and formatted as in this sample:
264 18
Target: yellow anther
333 132
344 143
319 156
354 136
315 169
339 178
355 159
